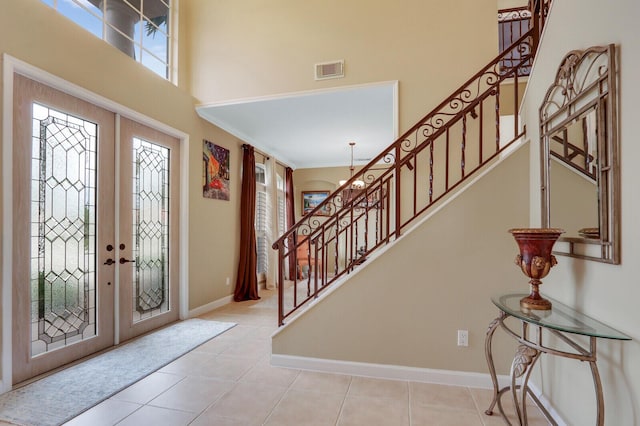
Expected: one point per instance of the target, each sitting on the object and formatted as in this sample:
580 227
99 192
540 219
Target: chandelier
356 184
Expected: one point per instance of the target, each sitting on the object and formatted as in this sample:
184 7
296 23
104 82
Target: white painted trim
390 372
12 65
396 110
550 14
79 92
547 404
7 225
174 50
210 306
183 260
288 95
116 232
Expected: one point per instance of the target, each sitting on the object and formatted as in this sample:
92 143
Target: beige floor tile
148 388
189 364
156 416
240 331
209 419
483 398
497 420
247 316
365 411
306 408
106 413
248 348
248 401
263 332
322 382
441 395
443 416
226 368
377 388
229 381
215 346
193 394
263 372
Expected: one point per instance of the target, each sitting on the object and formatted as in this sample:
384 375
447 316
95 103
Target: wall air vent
326 70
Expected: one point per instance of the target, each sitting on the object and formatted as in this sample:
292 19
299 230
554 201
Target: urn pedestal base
534 300
535 260
540 304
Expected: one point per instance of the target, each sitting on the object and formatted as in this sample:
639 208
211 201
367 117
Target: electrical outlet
228 280
463 338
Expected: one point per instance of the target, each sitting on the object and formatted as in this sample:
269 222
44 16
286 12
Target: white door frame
11 66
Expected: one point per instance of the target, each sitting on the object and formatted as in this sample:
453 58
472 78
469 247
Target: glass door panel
63 217
149 213
63 229
150 229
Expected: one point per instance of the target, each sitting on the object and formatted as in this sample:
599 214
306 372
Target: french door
148 229
95 222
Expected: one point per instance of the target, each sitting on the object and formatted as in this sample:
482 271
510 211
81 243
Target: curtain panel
247 280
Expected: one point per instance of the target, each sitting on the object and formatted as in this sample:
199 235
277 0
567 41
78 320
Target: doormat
61 396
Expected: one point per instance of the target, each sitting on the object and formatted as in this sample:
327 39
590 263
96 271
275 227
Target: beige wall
607 292
255 48
508 4
405 307
34 33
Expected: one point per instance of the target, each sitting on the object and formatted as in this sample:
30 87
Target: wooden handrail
432 158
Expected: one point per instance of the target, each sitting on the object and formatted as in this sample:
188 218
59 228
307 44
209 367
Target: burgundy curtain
247 281
290 214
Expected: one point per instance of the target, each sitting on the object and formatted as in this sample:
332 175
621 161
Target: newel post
281 264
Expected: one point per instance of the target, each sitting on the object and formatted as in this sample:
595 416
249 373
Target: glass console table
562 322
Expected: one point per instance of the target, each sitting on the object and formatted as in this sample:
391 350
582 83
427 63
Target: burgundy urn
535 260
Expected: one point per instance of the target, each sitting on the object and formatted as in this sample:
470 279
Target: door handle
109 262
123 261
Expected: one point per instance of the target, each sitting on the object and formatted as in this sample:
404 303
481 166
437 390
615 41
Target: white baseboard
547 404
391 372
210 306
414 374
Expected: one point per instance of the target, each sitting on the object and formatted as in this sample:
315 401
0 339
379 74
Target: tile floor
229 381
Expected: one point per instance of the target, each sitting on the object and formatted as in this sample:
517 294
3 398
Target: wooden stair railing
423 166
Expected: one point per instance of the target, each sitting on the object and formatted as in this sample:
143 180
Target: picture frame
215 171
311 200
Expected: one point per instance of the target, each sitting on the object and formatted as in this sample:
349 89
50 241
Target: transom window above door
139 28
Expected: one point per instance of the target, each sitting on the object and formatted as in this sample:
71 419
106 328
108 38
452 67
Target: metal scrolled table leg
524 358
597 384
489 356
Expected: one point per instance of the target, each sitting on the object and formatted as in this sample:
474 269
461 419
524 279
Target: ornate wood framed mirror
579 158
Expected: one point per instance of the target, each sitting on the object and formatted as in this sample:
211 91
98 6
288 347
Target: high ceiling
313 129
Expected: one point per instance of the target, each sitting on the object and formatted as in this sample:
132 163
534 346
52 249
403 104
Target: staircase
459 137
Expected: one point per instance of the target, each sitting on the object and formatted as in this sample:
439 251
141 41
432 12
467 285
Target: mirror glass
579 156
573 185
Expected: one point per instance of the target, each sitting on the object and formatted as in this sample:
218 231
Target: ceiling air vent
326 70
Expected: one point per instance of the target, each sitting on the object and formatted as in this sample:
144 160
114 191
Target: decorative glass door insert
79 235
63 229
150 229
